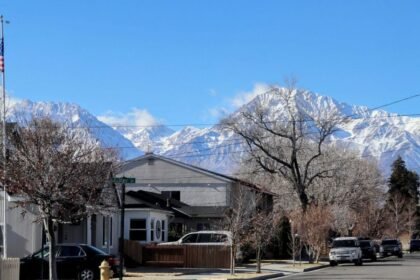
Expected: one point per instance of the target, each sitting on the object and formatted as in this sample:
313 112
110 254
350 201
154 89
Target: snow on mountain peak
73 114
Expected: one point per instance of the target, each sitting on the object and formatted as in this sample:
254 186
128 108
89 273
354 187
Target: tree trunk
258 259
232 259
304 200
49 228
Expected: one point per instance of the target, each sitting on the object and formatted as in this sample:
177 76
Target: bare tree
288 141
411 218
237 220
261 229
61 173
371 220
315 227
398 215
343 219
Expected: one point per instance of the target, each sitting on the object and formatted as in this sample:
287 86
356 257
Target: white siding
197 188
23 234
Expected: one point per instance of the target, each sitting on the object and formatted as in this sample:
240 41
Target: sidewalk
268 270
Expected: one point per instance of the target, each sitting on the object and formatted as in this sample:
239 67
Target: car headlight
395 249
353 253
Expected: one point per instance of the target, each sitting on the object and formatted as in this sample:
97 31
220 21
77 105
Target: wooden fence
194 256
9 268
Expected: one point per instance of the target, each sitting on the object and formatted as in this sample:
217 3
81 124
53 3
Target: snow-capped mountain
373 134
77 117
146 138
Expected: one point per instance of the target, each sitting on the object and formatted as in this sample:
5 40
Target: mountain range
373 134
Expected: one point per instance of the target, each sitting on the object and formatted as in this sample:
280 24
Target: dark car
368 249
391 247
414 245
74 261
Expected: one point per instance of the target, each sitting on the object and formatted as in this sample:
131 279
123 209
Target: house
168 199
198 198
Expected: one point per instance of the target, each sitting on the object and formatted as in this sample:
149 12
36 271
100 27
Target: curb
315 267
262 277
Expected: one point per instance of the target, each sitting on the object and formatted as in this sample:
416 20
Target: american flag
2 55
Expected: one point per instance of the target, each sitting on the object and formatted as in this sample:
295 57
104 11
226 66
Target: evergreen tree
403 199
404 181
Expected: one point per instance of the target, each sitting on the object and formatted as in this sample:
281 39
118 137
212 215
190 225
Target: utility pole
122 181
2 69
121 248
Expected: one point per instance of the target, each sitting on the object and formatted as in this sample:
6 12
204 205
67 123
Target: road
390 268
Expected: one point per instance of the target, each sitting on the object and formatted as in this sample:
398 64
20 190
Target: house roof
127 165
151 200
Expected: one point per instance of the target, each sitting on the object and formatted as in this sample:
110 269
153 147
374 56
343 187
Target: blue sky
179 62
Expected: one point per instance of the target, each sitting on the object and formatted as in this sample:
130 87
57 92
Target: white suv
205 237
345 249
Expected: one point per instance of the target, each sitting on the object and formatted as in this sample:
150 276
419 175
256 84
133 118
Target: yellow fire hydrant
106 272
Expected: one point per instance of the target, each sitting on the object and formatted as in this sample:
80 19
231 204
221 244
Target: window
106 231
218 238
204 238
172 194
163 230
158 230
191 238
71 251
152 229
203 226
1 240
138 229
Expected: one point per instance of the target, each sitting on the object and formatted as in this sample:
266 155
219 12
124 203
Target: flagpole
4 147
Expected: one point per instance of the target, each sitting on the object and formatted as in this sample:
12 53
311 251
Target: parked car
391 247
345 250
208 237
368 249
74 261
414 245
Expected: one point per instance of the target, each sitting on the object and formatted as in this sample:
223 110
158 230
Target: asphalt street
389 268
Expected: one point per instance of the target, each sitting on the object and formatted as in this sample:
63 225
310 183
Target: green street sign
123 180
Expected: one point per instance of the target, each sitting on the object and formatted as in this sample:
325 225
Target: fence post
185 255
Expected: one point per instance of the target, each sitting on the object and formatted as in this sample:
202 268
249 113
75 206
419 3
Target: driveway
388 268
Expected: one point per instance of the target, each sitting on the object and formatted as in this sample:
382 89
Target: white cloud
135 117
245 97
218 113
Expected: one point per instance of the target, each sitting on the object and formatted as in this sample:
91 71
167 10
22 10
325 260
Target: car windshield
389 242
364 244
43 253
343 243
415 242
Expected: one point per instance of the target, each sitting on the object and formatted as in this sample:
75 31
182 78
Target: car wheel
400 256
333 263
374 259
86 274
